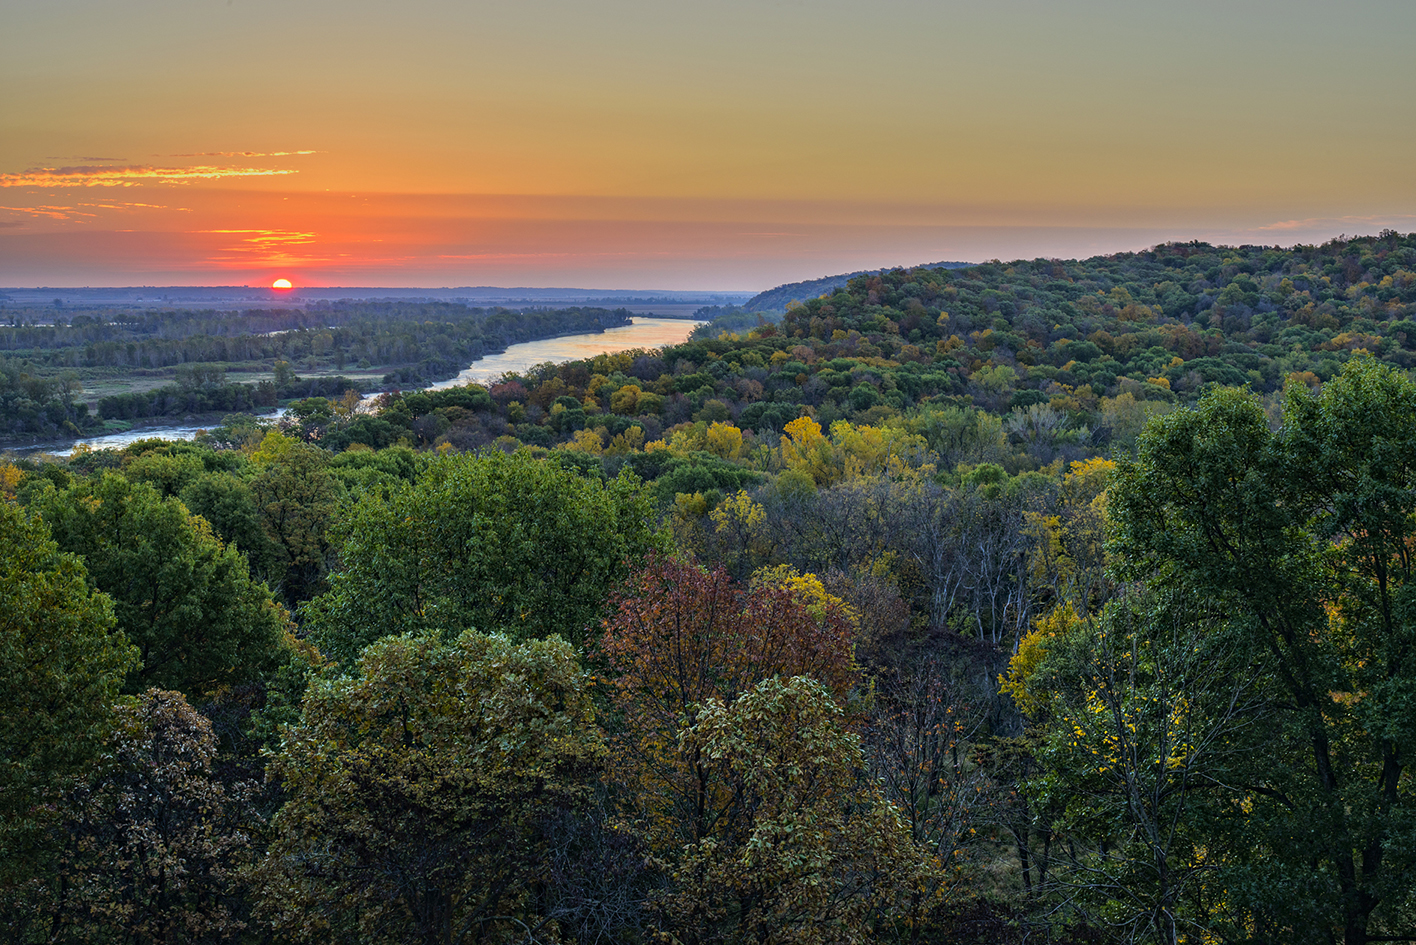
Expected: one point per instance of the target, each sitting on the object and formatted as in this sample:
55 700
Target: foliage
296 497
64 663
802 850
1030 698
1068 357
419 789
184 599
1150 720
1302 538
496 542
678 635
849 451
225 500
1068 557
177 399
153 844
807 590
33 404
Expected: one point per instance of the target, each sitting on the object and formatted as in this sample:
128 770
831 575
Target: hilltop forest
1044 601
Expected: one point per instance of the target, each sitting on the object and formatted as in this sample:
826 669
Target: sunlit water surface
643 333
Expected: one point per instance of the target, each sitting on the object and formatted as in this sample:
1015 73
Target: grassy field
106 382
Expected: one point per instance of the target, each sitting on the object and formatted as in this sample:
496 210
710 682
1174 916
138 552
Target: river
641 333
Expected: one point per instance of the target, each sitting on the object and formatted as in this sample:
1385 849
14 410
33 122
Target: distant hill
776 300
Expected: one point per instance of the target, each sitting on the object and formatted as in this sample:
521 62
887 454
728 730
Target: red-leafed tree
680 634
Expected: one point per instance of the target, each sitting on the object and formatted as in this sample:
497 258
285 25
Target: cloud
266 247
129 205
77 215
266 238
52 213
247 154
10 224
130 176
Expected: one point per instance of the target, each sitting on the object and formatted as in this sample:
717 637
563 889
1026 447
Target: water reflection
642 333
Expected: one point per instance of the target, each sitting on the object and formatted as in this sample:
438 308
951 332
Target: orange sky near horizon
733 145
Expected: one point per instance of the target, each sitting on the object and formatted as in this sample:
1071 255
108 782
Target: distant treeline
415 343
218 397
721 318
33 404
345 333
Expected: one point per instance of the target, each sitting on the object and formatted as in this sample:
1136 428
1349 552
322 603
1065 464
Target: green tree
170 473
296 498
182 597
364 470
225 500
495 542
1303 539
64 663
1152 711
802 849
419 789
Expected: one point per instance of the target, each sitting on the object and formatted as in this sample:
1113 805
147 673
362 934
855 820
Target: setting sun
281 284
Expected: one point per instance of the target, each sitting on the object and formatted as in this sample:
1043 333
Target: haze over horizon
732 146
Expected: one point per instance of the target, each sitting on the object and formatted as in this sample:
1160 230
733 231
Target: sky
725 145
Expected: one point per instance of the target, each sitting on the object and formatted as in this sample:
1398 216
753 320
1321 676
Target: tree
851 451
169 472
803 849
225 500
680 634
1143 719
920 749
64 662
495 542
153 842
1303 539
296 498
418 790
1068 560
182 597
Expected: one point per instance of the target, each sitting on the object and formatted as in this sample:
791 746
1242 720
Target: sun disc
280 284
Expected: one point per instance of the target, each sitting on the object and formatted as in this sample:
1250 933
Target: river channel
641 333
